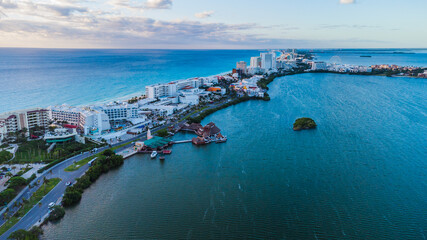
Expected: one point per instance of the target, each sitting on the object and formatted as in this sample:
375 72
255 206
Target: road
37 212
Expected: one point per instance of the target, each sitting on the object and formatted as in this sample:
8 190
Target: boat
167 151
220 138
366 56
153 154
162 158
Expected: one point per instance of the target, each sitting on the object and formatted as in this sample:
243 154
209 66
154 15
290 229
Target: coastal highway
38 212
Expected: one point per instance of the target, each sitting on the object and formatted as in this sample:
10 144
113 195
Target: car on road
51 205
68 183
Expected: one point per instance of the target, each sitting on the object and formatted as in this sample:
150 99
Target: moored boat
220 138
154 154
167 151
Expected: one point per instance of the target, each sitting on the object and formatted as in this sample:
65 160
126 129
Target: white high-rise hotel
86 120
268 60
255 62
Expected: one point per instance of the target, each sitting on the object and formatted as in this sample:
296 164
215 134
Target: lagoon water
360 175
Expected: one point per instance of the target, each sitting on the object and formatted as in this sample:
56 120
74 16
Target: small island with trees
304 123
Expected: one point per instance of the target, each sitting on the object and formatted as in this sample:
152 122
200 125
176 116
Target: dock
181 141
127 153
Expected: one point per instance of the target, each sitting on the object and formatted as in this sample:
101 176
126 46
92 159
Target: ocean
43 77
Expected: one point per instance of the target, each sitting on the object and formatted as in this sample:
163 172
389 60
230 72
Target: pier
181 141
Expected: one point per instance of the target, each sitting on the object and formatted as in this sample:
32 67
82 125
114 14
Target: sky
213 24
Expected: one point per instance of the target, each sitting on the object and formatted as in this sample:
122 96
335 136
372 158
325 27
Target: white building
3 130
94 122
268 60
319 66
119 111
255 62
241 66
28 118
89 121
160 90
255 70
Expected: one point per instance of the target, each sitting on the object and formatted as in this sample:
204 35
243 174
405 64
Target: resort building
61 135
255 62
268 60
119 111
172 89
87 120
29 118
241 66
319 66
3 130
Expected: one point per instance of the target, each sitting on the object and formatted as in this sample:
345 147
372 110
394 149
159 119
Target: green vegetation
21 234
30 179
16 182
57 213
51 164
162 133
23 171
263 82
82 162
4 145
27 205
36 151
5 156
304 123
105 162
207 112
7 195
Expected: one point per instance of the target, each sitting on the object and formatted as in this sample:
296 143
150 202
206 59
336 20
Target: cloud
8 4
347 1
204 14
158 4
62 8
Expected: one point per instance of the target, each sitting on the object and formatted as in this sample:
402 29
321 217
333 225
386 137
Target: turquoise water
42 77
360 175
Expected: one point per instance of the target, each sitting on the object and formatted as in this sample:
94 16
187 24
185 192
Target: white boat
153 154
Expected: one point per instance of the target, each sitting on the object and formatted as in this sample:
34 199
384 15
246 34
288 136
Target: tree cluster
207 112
107 161
5 156
56 214
21 234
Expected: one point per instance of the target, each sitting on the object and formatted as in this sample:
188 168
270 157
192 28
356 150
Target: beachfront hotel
172 89
12 122
119 111
87 120
268 60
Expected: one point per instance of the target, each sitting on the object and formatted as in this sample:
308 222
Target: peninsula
68 139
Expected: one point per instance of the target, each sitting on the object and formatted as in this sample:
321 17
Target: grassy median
79 164
30 203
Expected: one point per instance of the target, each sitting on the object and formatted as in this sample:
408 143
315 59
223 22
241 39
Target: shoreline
268 79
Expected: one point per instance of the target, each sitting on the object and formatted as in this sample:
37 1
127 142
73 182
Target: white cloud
347 1
204 14
158 4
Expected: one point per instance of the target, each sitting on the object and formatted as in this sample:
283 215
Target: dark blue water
360 175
